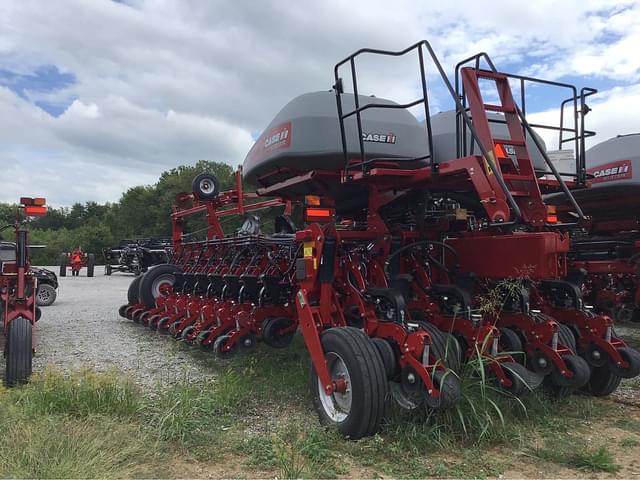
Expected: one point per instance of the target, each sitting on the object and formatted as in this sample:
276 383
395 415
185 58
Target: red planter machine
18 288
409 262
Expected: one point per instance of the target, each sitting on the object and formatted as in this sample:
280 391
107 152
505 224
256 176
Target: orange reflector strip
35 211
552 219
318 214
500 151
312 200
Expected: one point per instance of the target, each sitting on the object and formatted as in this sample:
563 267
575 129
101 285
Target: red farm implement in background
18 287
76 261
421 246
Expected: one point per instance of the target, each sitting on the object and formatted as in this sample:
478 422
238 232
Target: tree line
142 212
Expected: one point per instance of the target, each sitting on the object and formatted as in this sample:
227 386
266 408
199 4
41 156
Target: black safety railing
365 164
573 133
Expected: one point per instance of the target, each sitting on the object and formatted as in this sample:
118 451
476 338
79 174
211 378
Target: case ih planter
18 287
387 279
76 261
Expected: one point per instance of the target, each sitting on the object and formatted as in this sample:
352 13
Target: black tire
523 380
603 382
151 280
567 338
450 390
580 369
205 186
630 355
63 265
91 264
19 353
350 348
444 346
122 309
107 269
511 343
271 327
133 294
387 356
46 295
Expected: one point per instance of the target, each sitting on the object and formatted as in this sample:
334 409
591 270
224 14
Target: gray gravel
82 329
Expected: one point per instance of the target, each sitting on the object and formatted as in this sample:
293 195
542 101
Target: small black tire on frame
351 356
205 186
632 357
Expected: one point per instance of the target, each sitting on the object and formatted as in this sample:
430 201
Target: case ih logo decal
379 137
275 139
279 137
618 170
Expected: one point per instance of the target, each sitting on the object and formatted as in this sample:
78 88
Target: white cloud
169 82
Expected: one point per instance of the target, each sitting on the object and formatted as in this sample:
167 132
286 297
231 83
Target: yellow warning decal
488 159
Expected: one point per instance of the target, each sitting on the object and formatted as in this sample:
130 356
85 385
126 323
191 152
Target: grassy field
255 420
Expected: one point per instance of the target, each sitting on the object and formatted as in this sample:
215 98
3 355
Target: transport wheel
351 358
387 355
444 346
511 343
220 342
122 309
133 294
63 265
522 379
19 352
108 270
581 374
603 382
46 295
91 264
631 356
205 186
154 282
248 342
450 392
270 332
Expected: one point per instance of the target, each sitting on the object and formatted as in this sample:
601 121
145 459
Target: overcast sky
98 96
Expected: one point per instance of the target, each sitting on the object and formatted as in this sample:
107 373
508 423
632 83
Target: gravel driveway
82 329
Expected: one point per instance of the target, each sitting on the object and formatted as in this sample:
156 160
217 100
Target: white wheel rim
165 279
337 405
207 186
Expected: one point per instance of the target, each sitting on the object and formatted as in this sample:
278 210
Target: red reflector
35 211
552 219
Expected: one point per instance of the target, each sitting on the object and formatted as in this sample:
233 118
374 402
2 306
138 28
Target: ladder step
514 177
509 141
498 108
493 75
520 193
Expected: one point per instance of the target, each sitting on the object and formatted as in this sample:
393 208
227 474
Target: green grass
573 451
257 411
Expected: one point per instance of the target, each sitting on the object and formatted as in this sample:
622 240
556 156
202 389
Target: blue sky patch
46 79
